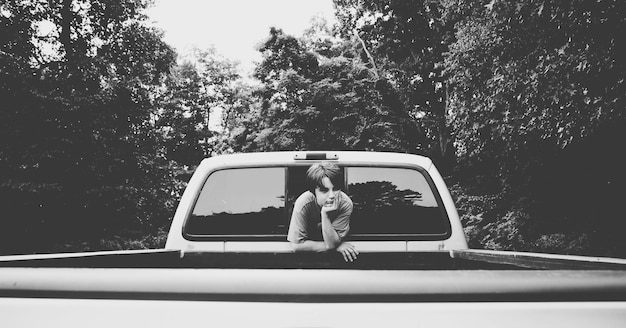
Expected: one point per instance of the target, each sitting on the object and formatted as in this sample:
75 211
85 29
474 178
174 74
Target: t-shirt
306 219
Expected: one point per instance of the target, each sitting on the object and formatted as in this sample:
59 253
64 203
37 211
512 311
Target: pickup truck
227 262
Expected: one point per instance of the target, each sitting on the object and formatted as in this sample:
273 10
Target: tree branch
369 55
65 35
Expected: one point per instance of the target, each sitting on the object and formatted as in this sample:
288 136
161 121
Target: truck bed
168 288
256 260
424 260
400 277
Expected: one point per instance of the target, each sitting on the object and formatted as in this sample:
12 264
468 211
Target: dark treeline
519 103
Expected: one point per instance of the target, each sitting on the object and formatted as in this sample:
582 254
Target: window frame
286 219
218 237
406 236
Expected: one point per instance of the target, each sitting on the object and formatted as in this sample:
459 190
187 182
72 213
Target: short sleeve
297 232
298 224
341 223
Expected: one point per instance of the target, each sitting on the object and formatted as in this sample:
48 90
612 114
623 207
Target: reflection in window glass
245 201
393 201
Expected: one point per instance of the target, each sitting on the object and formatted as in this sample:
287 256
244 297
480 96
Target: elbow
332 245
297 247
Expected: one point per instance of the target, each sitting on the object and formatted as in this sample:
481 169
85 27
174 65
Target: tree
404 43
312 101
201 83
536 89
80 152
515 62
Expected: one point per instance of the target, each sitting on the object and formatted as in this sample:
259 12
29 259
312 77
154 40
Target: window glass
393 201
296 183
243 201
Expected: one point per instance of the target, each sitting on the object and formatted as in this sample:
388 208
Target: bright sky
234 27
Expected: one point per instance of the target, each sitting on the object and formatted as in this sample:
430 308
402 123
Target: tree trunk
65 34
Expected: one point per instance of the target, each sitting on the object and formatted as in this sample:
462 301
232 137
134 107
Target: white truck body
176 239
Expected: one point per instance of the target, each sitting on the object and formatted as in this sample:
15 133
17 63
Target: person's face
325 194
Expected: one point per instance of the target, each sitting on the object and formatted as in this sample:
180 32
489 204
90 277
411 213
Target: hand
332 206
348 251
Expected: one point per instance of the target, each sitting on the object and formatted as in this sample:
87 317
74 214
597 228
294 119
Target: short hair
317 172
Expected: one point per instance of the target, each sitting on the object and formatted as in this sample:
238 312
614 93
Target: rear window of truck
255 203
243 201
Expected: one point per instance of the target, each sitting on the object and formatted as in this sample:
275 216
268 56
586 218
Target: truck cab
243 203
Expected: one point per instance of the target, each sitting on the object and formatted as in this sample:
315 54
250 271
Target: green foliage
194 88
511 95
150 241
80 153
532 87
407 41
519 103
309 101
534 73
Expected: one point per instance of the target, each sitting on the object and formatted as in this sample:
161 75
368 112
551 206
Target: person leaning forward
321 216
